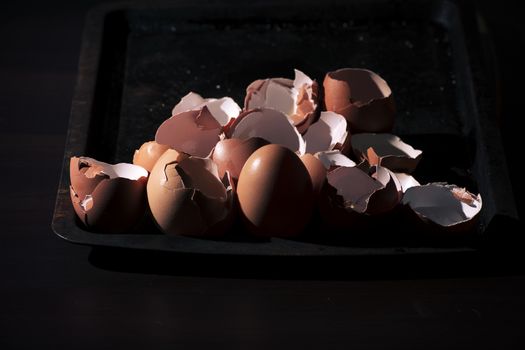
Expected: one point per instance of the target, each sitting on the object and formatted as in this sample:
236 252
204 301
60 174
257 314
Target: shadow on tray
501 257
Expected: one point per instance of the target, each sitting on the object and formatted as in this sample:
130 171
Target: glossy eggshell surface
186 197
275 192
148 154
231 154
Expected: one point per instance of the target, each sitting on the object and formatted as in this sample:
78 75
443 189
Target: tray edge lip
85 86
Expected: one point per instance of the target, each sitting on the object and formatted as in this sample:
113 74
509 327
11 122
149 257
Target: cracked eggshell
231 154
444 207
194 132
354 194
224 109
148 154
269 124
187 197
387 198
362 97
317 171
390 151
297 99
107 198
275 193
327 133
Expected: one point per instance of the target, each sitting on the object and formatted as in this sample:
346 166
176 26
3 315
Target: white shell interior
383 145
437 203
271 125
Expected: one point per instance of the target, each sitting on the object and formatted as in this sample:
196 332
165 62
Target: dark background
54 294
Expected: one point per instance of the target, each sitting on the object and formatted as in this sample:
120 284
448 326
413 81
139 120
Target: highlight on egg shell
187 197
297 99
231 154
444 207
275 193
362 97
148 154
107 198
389 149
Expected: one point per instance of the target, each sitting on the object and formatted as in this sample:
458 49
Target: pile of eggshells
271 165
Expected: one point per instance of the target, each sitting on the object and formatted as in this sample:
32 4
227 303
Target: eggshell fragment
186 196
325 134
449 207
148 154
107 198
407 181
363 193
223 110
362 97
231 154
355 186
297 99
275 193
334 159
389 196
269 124
194 132
390 150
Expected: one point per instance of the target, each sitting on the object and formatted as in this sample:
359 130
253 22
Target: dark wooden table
57 295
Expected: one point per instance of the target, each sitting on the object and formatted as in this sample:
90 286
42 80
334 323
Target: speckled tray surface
137 61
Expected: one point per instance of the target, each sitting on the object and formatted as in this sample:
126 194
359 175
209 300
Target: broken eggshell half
353 193
107 198
362 97
269 124
194 132
187 197
297 99
148 154
224 109
389 149
446 207
326 134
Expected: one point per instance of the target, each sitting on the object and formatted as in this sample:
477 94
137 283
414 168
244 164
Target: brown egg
186 196
362 97
107 198
317 171
148 154
275 192
231 154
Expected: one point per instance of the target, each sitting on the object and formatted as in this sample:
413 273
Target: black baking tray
138 60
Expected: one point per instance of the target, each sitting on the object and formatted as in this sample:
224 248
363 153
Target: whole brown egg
275 192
